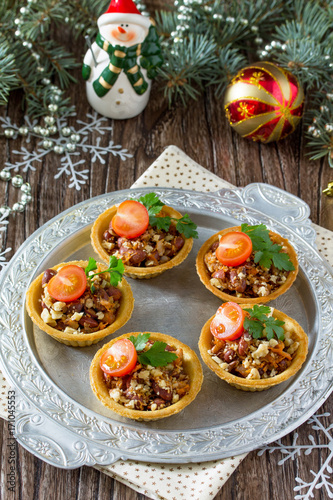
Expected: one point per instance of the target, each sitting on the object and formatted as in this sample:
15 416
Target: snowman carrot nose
121 30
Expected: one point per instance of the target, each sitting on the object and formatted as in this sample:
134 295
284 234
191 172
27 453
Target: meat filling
150 388
246 280
152 248
89 313
252 358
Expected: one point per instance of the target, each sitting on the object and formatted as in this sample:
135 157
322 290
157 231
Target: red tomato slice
119 359
131 219
234 248
68 284
228 322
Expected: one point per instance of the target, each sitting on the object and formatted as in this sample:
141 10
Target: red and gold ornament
264 102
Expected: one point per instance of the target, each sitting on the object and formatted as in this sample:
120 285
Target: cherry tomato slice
119 359
234 248
228 322
68 284
131 219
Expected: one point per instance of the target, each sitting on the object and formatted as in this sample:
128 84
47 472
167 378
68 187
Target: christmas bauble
264 102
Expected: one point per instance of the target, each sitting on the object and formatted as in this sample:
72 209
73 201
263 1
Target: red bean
48 274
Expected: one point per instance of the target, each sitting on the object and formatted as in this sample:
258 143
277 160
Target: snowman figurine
119 66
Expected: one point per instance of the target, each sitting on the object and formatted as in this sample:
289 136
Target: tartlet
102 224
205 275
295 332
33 306
192 368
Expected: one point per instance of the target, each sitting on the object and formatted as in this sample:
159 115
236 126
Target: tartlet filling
246 280
252 358
89 313
149 388
152 248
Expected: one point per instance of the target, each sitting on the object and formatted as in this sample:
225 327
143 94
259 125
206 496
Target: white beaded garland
25 188
9 132
17 181
18 207
75 138
66 131
5 175
70 147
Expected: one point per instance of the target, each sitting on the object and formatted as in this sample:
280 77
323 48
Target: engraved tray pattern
57 429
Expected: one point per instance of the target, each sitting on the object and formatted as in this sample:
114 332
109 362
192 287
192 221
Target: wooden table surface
202 131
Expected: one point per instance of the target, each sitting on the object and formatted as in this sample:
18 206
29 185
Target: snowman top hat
123 11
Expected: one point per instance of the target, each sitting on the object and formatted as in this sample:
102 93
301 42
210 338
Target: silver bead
17 181
49 120
44 132
58 149
5 210
36 129
66 131
26 198
47 144
23 130
53 130
5 175
75 138
9 132
55 98
70 147
26 188
18 207
53 108
46 81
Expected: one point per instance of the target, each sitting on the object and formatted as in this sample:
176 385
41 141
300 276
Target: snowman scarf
125 59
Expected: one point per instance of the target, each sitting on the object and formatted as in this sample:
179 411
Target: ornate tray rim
43 409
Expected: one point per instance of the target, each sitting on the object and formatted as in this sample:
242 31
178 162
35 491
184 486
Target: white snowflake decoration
67 145
322 478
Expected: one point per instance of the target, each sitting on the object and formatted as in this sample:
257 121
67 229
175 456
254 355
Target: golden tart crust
205 276
102 224
34 309
296 332
192 367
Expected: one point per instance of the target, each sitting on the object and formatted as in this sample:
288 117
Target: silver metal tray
59 419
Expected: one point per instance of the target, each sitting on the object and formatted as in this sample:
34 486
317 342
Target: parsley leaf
157 355
160 222
115 270
265 251
274 326
186 227
140 341
154 205
91 266
260 325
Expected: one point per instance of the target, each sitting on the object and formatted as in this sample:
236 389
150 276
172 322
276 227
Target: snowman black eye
121 24
126 25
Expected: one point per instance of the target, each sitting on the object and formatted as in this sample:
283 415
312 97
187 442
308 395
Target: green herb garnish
265 251
259 325
156 355
154 205
115 270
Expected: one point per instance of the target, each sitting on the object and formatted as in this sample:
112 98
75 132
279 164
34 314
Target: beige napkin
195 481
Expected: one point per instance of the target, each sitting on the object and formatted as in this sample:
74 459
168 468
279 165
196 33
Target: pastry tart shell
102 224
297 334
34 309
205 277
192 367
